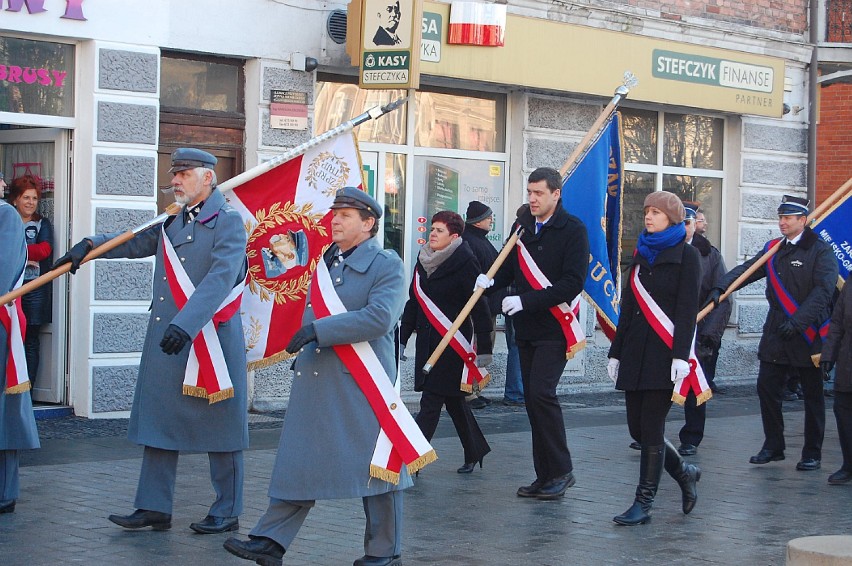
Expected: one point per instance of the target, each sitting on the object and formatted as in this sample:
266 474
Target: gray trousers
9 486
156 489
382 534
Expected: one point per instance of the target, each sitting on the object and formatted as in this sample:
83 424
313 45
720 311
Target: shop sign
430 40
73 8
390 35
288 110
685 67
36 77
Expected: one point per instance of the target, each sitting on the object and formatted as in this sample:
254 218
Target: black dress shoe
555 488
687 449
8 508
808 464
142 518
717 388
368 560
837 478
262 550
765 456
635 445
530 490
213 525
477 403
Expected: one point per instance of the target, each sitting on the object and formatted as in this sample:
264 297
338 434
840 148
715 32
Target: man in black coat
709 332
479 219
804 273
558 244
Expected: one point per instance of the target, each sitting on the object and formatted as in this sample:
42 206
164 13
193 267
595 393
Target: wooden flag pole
171 210
629 82
812 217
471 302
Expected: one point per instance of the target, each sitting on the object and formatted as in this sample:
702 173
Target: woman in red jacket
24 195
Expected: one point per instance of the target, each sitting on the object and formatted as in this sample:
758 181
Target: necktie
538 226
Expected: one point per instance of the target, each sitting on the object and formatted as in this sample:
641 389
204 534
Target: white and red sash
664 328
206 369
400 440
13 320
473 377
567 316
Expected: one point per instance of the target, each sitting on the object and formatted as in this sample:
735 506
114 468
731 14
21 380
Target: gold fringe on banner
703 397
422 461
19 388
270 361
221 395
476 387
678 398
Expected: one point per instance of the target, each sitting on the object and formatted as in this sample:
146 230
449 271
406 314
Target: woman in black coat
838 350
447 269
670 271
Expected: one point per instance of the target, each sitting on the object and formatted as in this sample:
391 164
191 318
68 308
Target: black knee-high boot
650 470
686 475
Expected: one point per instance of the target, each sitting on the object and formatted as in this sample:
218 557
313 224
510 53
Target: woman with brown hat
663 293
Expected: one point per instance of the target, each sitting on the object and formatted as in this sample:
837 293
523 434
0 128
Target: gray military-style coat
213 251
330 430
17 424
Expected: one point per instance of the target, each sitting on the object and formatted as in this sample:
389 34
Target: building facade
707 121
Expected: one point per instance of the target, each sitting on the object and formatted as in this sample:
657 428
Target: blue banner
835 230
592 192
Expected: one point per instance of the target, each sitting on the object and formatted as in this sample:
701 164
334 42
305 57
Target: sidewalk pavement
745 514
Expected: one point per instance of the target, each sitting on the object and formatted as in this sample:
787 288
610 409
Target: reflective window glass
197 84
454 121
693 141
639 132
705 191
337 103
394 202
36 77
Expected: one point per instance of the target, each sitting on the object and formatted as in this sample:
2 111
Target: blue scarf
649 245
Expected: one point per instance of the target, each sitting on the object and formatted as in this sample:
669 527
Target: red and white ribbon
400 440
13 320
664 328
567 316
472 375
206 369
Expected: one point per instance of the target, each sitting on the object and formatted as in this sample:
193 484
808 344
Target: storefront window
686 161
394 216
337 103
201 85
36 77
451 121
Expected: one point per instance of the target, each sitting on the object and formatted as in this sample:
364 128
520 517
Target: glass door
43 154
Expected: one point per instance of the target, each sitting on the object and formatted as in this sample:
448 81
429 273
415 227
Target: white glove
483 360
612 369
512 304
483 281
680 369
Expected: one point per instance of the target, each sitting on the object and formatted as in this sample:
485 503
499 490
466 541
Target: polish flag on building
477 23
286 211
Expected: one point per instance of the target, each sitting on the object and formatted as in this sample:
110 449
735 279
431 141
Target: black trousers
541 368
695 415
473 441
771 380
843 416
646 415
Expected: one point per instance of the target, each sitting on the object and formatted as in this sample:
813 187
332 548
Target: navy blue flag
835 230
592 192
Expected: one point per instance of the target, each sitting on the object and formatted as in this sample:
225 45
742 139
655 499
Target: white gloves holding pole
483 282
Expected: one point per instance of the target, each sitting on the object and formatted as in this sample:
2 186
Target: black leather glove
826 368
75 255
174 339
301 337
712 297
787 330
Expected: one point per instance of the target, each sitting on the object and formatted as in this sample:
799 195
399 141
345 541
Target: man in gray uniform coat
330 430
209 239
17 424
